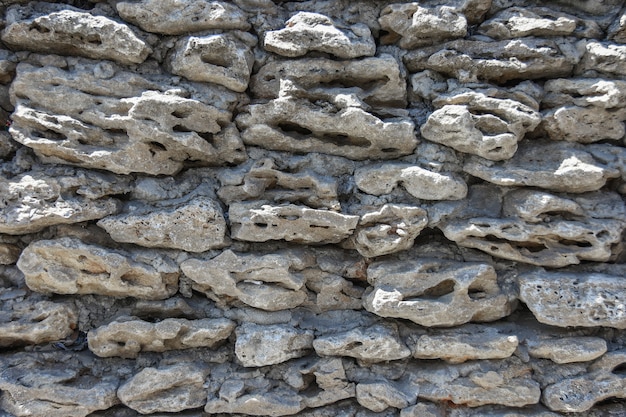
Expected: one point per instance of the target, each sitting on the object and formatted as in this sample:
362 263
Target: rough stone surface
603 58
568 349
268 345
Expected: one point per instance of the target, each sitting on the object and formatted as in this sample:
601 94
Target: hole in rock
216 59
289 127
93 40
443 288
49 134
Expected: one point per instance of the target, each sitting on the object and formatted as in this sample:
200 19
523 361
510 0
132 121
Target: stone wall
315 208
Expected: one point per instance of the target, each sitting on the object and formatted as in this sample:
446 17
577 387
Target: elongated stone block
269 345
568 349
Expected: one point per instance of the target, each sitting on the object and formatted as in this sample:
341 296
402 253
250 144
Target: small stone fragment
257 222
268 345
333 292
568 349
305 32
603 58
331 382
378 396
62 29
575 299
127 337
9 254
421 183
165 389
225 59
69 266
176 17
376 343
422 409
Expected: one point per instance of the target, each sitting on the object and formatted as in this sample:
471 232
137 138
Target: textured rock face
268 345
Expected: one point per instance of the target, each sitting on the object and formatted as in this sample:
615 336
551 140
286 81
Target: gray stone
331 383
169 389
305 32
617 31
436 292
568 349
268 345
603 58
382 178
422 409
333 292
68 266
127 337
574 299
378 396
175 17
413 25
258 222
225 59
62 29
377 343
9 254
271 282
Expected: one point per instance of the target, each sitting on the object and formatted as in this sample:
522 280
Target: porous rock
605 58
127 337
68 266
169 389
617 31
433 292
379 396
568 349
62 29
175 17
259 345
307 31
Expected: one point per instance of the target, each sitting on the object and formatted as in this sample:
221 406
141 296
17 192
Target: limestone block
264 181
378 396
574 299
259 345
62 29
553 166
25 321
258 222
225 59
382 178
165 389
434 292
517 22
45 197
413 25
579 394
194 224
333 292
584 92
175 17
330 382
127 337
279 402
617 31
376 343
470 342
391 228
605 58
270 282
500 61
68 266
97 115
568 349
480 122
422 409
376 80
506 382
57 386
305 32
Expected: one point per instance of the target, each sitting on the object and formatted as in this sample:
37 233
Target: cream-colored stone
605 58
568 349
269 345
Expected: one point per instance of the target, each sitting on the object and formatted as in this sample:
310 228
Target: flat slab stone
568 349
259 345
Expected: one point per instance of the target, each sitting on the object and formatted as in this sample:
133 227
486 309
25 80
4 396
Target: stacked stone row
312 208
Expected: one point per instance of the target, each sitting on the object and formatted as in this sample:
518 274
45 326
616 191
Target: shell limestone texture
312 208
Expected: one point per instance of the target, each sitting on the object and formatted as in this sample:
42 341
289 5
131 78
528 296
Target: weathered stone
98 115
433 292
264 181
175 17
378 396
62 29
603 58
421 183
617 31
225 59
568 349
376 81
127 337
391 228
470 342
69 266
551 165
507 382
377 343
480 122
269 282
333 292
165 389
305 32
257 222
40 198
574 299
413 25
58 386
422 409
268 345
576 395
25 321
195 224
499 62
9 254
331 383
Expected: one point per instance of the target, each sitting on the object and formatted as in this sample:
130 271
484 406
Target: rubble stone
378 396
568 349
268 345
603 58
